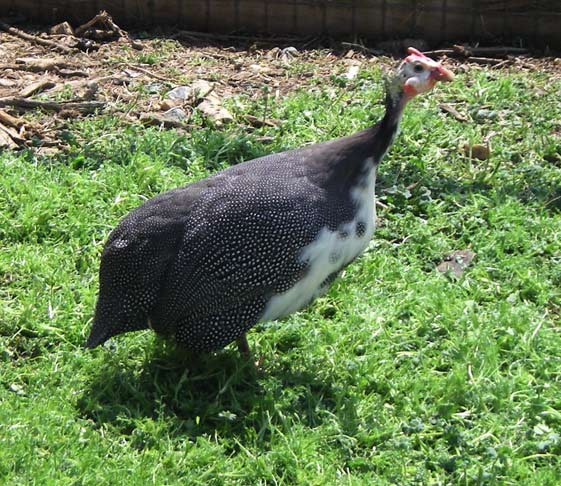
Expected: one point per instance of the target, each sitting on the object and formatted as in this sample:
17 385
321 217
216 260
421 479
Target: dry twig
37 40
152 75
33 88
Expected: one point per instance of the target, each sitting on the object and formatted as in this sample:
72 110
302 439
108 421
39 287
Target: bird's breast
329 253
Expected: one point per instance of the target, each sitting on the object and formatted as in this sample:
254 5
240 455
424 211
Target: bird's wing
243 243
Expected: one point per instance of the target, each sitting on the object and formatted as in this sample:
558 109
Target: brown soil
129 78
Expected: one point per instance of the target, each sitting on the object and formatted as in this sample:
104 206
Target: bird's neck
389 126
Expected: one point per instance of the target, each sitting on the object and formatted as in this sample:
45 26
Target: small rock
180 93
17 389
201 88
197 90
131 73
161 120
175 114
137 45
485 114
352 72
456 262
212 109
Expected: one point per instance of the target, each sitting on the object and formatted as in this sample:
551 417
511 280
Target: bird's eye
418 68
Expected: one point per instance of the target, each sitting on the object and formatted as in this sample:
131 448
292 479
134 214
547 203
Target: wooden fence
530 21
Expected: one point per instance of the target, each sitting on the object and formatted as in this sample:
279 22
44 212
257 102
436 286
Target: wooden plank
338 18
223 15
489 26
310 18
281 17
195 15
428 21
450 20
458 20
398 18
161 12
369 20
549 31
252 16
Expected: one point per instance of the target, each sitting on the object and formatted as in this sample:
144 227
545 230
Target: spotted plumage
255 242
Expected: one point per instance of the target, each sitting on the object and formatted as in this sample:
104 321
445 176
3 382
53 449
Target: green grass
399 375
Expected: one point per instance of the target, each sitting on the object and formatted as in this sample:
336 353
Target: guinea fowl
254 242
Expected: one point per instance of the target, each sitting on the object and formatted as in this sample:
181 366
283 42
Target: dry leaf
452 111
477 151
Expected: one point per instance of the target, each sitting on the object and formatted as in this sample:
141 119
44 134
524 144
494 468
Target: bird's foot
243 347
245 352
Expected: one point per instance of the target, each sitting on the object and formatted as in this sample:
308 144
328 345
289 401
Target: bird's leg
243 346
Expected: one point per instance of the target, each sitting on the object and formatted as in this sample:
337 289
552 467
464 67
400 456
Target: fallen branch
498 51
505 62
440 52
83 84
478 52
105 21
12 121
39 64
360 47
81 106
487 61
37 40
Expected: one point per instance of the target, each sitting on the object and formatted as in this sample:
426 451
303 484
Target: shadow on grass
215 393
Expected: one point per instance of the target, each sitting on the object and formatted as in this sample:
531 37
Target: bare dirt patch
47 79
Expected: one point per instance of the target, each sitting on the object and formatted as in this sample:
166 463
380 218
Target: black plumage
205 262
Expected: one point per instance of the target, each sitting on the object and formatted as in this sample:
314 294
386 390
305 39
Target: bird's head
417 74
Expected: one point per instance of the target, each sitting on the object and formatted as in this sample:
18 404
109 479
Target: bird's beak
440 73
